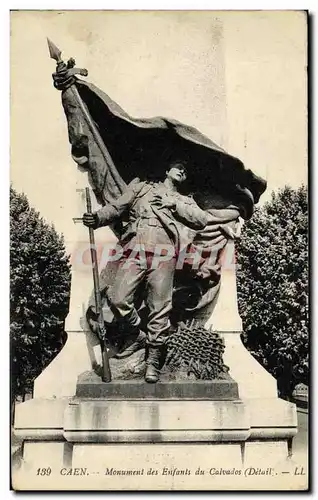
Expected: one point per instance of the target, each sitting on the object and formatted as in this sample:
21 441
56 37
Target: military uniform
149 227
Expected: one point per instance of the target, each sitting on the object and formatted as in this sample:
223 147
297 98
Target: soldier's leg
159 302
121 293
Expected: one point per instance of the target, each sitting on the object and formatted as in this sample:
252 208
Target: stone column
253 380
82 348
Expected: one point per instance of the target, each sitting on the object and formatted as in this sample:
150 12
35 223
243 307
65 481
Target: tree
39 293
273 287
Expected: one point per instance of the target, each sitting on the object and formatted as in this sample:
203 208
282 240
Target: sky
239 77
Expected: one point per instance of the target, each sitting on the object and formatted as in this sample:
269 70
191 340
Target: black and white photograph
159 322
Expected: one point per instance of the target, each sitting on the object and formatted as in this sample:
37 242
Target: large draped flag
116 148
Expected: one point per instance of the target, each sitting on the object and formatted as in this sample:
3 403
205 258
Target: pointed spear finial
55 53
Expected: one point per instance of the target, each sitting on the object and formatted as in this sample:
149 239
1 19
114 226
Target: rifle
106 374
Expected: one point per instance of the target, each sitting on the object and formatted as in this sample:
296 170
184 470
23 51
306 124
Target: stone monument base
89 386
136 436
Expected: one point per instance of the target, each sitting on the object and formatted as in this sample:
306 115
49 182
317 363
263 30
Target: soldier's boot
133 343
154 363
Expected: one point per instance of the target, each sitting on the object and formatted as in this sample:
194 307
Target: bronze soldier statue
114 148
159 219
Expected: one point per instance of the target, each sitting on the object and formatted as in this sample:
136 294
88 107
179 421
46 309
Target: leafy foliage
39 293
273 286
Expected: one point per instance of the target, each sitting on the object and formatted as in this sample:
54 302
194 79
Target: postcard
159 250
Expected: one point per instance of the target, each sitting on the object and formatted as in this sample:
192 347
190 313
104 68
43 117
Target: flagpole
96 135
106 375
55 54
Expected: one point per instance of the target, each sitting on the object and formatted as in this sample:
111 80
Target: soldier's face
177 174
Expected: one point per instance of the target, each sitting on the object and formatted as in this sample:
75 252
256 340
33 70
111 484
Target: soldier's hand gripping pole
106 375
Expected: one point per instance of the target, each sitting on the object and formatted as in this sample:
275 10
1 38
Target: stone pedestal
78 426
136 436
90 386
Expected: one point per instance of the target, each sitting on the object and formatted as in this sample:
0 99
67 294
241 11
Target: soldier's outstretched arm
112 211
190 214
